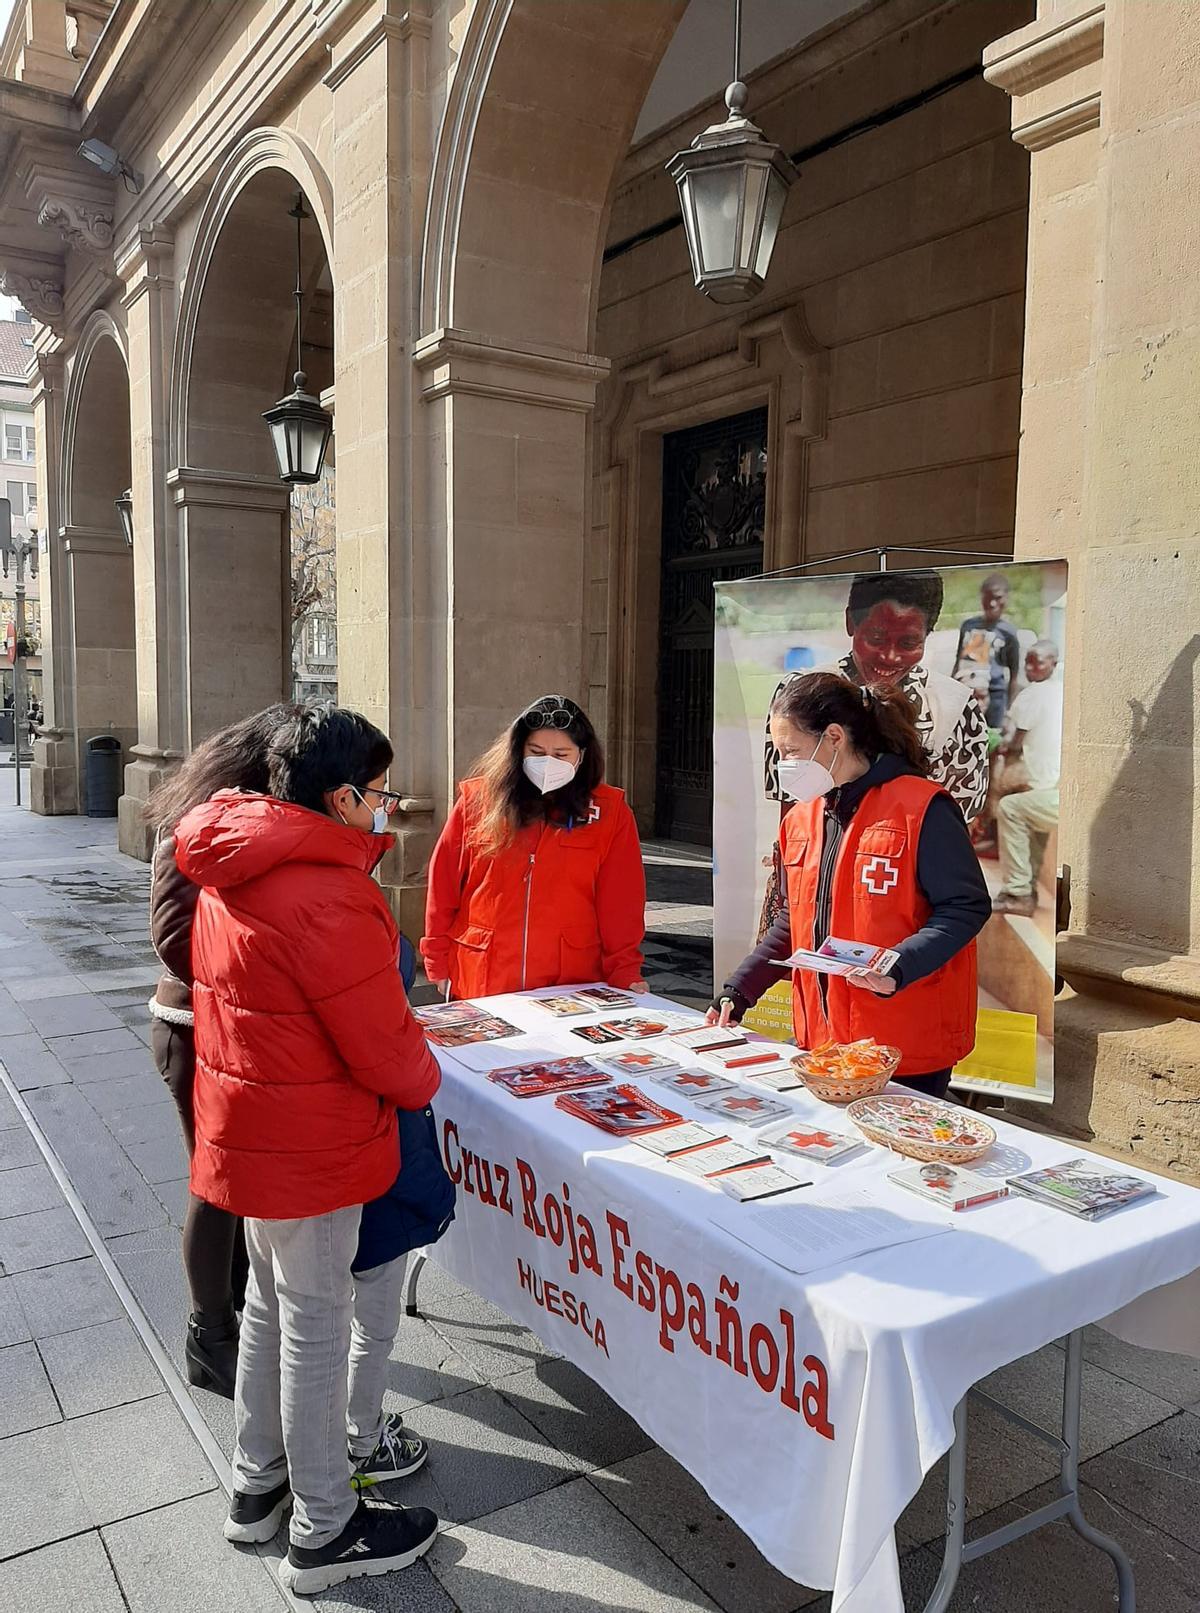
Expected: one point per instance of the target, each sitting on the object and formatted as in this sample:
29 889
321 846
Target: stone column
144 262
53 777
99 622
233 537
1107 99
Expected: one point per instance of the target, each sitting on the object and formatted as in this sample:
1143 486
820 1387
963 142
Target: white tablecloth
809 1408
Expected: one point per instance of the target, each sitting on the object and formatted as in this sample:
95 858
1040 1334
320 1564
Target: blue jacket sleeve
949 874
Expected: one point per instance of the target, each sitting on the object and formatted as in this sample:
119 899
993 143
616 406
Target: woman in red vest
872 851
537 878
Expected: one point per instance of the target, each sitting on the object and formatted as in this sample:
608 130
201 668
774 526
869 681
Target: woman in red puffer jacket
305 1048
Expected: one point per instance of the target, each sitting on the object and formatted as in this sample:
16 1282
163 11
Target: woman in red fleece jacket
537 879
305 1048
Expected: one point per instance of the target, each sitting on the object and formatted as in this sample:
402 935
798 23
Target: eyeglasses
386 798
551 711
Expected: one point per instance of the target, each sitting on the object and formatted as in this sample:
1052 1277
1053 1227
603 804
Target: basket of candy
839 1072
923 1128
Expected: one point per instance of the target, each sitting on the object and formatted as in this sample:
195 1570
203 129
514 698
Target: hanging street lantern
300 428
125 511
732 186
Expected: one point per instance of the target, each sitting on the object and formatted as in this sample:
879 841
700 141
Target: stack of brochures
1082 1188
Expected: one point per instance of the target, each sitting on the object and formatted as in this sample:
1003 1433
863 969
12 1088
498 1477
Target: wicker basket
907 1124
845 1089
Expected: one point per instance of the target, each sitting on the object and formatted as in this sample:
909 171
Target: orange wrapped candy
842 1071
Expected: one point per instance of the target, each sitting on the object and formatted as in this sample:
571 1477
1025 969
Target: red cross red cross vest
876 899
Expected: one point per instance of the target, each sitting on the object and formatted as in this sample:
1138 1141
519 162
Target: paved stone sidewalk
554 1502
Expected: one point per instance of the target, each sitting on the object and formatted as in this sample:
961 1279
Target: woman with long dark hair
537 879
871 851
214 1249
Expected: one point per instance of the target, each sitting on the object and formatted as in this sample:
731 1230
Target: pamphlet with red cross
834 957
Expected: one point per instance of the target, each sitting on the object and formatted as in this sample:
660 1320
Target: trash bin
102 776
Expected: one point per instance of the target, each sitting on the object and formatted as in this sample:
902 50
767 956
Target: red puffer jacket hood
236 837
305 1043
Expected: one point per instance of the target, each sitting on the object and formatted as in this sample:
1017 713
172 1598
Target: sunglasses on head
551 711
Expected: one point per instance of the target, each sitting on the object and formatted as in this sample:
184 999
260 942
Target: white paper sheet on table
811 1234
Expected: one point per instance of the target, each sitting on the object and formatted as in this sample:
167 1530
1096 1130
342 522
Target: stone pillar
53 777
233 538
45 59
144 262
1107 100
100 625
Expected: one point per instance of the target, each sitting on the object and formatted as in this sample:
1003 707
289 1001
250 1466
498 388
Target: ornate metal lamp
300 428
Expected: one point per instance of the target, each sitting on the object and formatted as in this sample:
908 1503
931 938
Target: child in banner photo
537 878
990 641
873 851
305 1050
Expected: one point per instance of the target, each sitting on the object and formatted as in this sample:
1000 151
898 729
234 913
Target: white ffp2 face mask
379 817
805 780
548 773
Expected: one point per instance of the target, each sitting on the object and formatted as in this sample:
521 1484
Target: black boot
211 1354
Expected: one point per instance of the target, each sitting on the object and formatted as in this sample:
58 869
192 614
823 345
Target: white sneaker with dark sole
255 1518
378 1540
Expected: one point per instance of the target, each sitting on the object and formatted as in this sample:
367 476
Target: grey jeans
306 1320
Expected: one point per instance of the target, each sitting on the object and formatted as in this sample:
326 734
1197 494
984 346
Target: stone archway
96 662
234 357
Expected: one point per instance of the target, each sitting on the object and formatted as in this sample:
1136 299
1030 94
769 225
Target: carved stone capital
87 229
41 298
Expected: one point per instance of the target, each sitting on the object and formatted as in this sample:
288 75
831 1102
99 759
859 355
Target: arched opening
259 566
100 660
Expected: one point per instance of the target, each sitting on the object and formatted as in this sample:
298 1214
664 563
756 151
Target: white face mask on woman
808 779
379 816
548 773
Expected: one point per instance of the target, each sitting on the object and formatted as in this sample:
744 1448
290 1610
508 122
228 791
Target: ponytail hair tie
866 696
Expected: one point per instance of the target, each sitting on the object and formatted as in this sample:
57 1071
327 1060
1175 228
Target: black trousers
214 1245
934 1085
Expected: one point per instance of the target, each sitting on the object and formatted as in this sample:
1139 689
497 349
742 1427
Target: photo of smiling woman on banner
977 653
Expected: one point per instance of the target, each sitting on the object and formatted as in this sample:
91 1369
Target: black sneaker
254 1518
397 1454
377 1540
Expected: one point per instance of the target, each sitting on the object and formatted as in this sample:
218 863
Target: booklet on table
1082 1188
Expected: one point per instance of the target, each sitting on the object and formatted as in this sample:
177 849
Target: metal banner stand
880 555
1068 1505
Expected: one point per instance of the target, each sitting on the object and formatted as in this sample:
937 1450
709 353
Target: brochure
950 1185
812 1142
1082 1188
716 1157
623 1111
749 1182
558 1075
637 1061
459 1024
636 1028
681 1139
834 957
702 1038
746 1108
775 1077
693 1083
565 1007
741 1058
606 997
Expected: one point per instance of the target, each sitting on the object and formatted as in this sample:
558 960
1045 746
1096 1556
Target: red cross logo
699 1080
744 1103
880 875
810 1139
640 1061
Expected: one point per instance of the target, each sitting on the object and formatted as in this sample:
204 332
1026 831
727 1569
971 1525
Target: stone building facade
978 334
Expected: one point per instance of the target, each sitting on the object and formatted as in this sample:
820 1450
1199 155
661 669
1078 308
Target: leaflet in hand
1082 1188
623 1111
834 957
557 1075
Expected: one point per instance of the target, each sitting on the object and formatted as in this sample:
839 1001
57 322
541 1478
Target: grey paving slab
115 1195
1171 1377
14 1329
174 1198
73 1575
425 1367
575 1414
18 1148
140 976
1113 1409
673 1511
162 1158
36 1513
85 1044
59 1298
135 1457
1157 1476
13 1021
1055 1571
30 1062
28 1187
26 1398
112 1066
175 1559
127 1092
68 1015
41 1239
142 1122
483 1335
152 1266
96 1367
483 1455
40 988
9 1118
566 1552
414 1590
